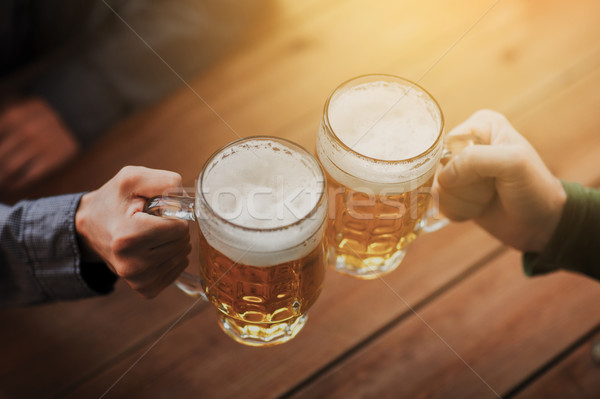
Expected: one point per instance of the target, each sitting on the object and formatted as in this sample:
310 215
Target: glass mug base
368 268
262 334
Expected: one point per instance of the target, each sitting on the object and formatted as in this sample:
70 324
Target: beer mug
260 205
380 142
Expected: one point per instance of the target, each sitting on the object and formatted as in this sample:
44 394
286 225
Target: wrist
556 204
82 227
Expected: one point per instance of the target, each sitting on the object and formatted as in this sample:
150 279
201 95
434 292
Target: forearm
575 242
40 259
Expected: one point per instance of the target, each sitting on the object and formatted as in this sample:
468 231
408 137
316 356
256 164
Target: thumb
477 163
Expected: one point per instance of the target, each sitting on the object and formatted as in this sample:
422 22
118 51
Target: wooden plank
47 348
564 129
577 376
198 359
266 89
516 57
497 326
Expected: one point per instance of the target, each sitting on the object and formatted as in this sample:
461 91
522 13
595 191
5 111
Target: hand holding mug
504 186
145 251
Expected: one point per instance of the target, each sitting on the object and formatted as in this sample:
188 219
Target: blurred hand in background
33 142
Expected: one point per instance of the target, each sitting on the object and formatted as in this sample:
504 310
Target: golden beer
379 143
261 207
372 237
262 302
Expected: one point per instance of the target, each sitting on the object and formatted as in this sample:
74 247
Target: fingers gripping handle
452 146
178 207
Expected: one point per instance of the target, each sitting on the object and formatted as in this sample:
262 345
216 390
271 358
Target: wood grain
45 349
347 313
537 62
577 376
476 341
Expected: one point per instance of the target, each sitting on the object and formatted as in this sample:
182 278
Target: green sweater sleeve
575 245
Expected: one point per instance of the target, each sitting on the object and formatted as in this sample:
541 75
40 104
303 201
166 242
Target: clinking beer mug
260 205
380 143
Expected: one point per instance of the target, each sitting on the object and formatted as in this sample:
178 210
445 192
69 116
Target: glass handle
191 285
455 144
452 146
178 207
171 206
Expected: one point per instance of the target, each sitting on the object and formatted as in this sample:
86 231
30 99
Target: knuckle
463 158
519 162
467 152
127 178
126 173
151 289
143 289
122 245
520 157
127 170
173 179
127 271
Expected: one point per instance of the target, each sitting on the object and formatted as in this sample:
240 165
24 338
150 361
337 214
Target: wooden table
458 319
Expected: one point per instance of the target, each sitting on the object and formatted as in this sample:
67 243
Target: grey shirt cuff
51 241
40 257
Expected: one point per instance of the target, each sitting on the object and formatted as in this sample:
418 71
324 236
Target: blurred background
536 62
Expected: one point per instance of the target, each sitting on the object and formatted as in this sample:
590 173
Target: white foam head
392 128
260 201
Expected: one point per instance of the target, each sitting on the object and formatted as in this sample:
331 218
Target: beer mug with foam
380 142
260 205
